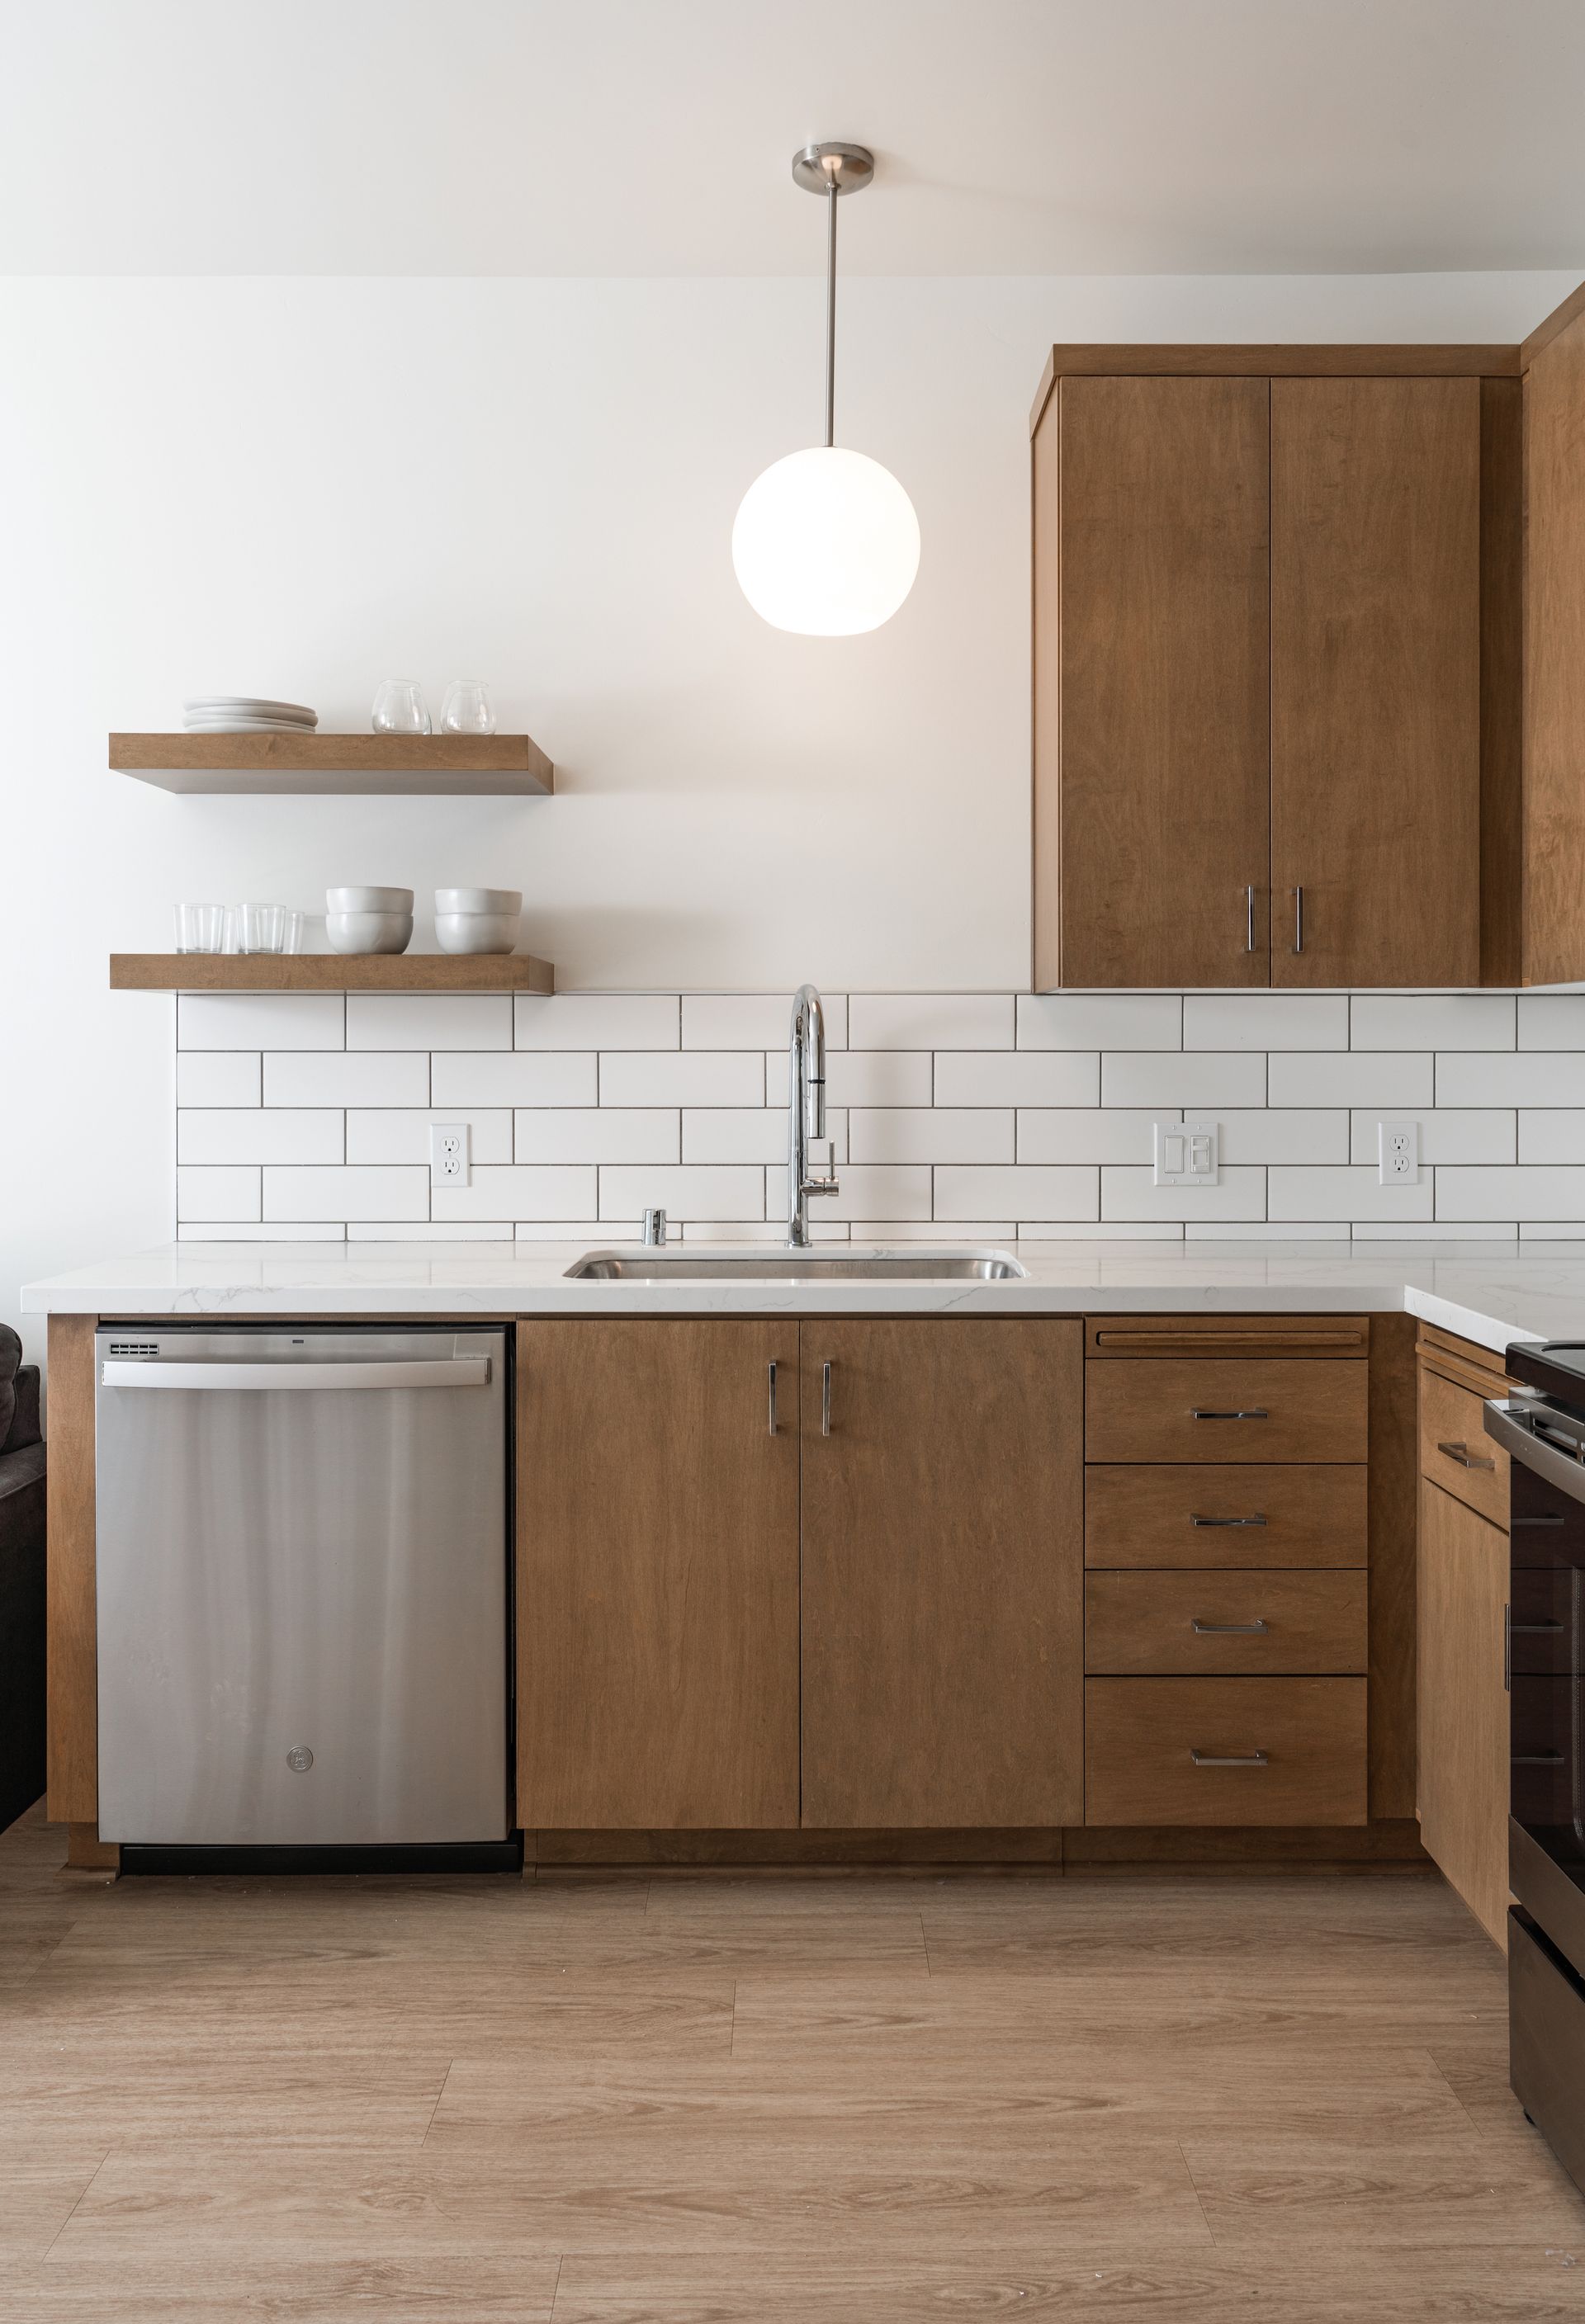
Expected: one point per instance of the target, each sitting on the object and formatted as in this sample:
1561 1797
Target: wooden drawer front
1476 1469
1138 1514
1113 1337
1480 1369
1140 1736
1147 1411
1190 1623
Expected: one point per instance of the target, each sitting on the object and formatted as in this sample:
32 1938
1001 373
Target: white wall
301 486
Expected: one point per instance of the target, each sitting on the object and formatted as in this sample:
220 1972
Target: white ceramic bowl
475 931
368 899
452 900
368 931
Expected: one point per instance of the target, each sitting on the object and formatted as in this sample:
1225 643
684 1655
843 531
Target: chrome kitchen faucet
809 1150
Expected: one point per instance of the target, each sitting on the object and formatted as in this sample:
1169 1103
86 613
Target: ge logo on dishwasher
300 1760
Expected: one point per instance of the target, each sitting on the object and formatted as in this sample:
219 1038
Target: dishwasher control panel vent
133 1348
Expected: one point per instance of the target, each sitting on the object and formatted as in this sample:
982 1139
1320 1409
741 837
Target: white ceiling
591 137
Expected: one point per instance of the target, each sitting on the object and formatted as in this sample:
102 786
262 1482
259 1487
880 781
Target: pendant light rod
832 170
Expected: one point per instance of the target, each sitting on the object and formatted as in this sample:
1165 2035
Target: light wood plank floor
699 2099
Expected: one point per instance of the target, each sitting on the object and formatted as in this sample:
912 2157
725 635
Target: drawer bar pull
1251 1412
1538 1758
1257 1519
1461 1453
773 1413
1548 1629
1257 1629
1225 1759
825 1399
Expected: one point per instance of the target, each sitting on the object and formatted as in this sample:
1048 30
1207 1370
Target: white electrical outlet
1186 1152
448 1153
1398 1153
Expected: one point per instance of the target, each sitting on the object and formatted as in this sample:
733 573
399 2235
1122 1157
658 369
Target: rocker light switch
1186 1152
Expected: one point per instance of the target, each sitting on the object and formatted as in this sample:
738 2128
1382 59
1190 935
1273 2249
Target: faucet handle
820 1166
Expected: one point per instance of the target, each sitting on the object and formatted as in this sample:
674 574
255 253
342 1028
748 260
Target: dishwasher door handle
450 1372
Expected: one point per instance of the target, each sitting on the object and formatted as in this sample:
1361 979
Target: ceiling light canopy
826 542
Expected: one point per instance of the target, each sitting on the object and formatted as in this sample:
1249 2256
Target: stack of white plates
246 713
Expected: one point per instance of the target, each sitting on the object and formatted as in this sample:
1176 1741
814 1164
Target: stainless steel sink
773 1264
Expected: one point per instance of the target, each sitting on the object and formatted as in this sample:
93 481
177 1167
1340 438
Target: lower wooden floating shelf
407 971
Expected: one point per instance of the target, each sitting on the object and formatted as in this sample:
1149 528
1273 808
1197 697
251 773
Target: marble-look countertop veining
1491 1293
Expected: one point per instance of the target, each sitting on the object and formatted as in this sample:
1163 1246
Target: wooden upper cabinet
657 1575
943 1607
1549 837
1150 740
1375 681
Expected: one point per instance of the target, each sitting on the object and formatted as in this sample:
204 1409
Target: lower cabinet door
1463 1708
657 1575
942 1572
1225 1751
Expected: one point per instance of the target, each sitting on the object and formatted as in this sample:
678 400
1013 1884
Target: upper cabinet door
1375 681
1151 682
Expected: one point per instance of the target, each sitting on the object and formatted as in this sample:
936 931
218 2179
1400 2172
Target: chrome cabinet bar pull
1508 1650
772 1372
1256 1520
1536 1759
1254 1412
1298 919
1227 1629
1229 1759
1249 920
1547 1629
825 1399
1461 1453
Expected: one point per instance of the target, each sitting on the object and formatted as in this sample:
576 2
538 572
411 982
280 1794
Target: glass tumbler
400 708
467 709
261 927
201 928
293 930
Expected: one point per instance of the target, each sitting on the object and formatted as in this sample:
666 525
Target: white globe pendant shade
826 543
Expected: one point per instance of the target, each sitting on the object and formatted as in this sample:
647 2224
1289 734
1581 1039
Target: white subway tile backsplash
1100 1021
259 1134
218 1077
1546 1134
429 1230
739 1133
1431 1020
682 1077
598 1020
1348 1192
931 1134
753 1020
1252 1231
256 1230
360 1192
1266 1021
1553 1192
1016 1077
1026 1194
1542 1078
1087 1134
612 1133
369 1078
519 1078
1446 1134
1552 1021
956 1231
429 1020
260 1021
513 1192
403 1135
931 1020
1194 1083
1397 1083
1283 1134
867 1191
214 1194
690 1191
1130 1193
863 1077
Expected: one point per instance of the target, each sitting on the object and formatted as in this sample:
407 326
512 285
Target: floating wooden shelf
438 766
317 972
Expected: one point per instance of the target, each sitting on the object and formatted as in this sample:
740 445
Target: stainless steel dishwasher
303 1585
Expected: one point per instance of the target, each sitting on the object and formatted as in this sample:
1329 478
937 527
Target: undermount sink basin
771 1265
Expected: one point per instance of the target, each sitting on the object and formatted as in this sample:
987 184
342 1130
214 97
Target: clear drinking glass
467 709
293 930
201 928
261 927
400 708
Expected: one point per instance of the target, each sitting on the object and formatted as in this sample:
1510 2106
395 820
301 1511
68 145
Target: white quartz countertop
1490 1293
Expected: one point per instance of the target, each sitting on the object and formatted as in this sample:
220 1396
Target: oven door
1546 1668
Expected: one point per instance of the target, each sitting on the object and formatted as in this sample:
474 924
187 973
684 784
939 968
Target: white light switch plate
1398 1153
1186 1152
448 1153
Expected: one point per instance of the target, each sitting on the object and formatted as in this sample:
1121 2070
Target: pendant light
826 541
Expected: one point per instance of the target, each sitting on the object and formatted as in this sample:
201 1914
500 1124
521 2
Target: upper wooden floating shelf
318 971
439 765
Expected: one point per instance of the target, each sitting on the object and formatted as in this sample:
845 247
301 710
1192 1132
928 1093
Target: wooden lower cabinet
942 1572
657 1575
1463 1778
